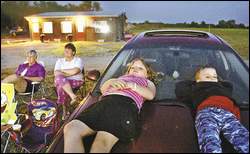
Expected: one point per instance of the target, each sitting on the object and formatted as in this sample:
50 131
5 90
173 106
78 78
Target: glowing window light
80 26
66 26
80 23
101 27
104 29
35 27
47 27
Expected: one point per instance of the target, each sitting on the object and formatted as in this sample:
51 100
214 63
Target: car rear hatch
166 127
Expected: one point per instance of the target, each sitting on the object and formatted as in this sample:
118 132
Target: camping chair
38 129
8 110
34 84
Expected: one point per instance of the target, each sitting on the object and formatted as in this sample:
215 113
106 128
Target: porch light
104 29
101 27
35 27
35 24
34 20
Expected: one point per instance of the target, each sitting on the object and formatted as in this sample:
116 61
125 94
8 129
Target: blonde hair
150 73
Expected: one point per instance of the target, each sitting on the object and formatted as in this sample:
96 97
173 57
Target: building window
101 27
35 27
66 26
47 27
80 24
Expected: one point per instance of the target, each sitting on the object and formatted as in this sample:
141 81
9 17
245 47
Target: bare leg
103 142
19 82
10 79
67 88
74 131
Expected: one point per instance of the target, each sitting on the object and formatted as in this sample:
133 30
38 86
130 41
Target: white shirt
61 63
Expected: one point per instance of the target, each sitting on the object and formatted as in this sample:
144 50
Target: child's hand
131 85
118 84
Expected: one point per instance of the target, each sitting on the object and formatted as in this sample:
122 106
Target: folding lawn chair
36 86
38 128
8 110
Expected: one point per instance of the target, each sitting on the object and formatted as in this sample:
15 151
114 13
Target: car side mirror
93 75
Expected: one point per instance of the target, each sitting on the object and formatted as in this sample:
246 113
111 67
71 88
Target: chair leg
6 144
32 93
43 91
22 100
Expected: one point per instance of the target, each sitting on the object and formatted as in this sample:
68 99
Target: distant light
104 29
35 27
34 20
101 27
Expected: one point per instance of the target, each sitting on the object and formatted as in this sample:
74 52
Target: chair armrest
5 127
35 82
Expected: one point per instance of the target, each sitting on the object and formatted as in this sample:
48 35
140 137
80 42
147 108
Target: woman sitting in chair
27 73
115 116
68 75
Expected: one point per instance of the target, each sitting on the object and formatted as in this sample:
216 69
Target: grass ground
84 48
237 38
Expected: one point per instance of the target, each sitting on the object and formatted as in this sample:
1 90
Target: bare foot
73 100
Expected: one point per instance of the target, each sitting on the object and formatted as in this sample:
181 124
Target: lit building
77 26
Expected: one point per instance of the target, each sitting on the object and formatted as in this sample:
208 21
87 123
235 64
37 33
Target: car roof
175 37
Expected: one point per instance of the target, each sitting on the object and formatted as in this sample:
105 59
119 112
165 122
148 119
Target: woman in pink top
115 116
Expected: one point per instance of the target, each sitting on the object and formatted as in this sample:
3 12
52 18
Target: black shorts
115 114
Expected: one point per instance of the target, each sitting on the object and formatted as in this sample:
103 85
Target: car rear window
176 63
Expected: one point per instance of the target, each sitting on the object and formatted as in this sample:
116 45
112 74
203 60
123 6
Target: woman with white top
68 75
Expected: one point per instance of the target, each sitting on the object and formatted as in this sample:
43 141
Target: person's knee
106 139
71 127
10 79
59 79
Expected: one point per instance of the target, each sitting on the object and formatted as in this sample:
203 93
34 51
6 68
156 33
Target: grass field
84 48
237 38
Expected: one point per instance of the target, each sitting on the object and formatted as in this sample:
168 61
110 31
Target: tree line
13 12
221 24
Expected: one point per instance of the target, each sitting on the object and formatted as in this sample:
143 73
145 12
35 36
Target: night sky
178 11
